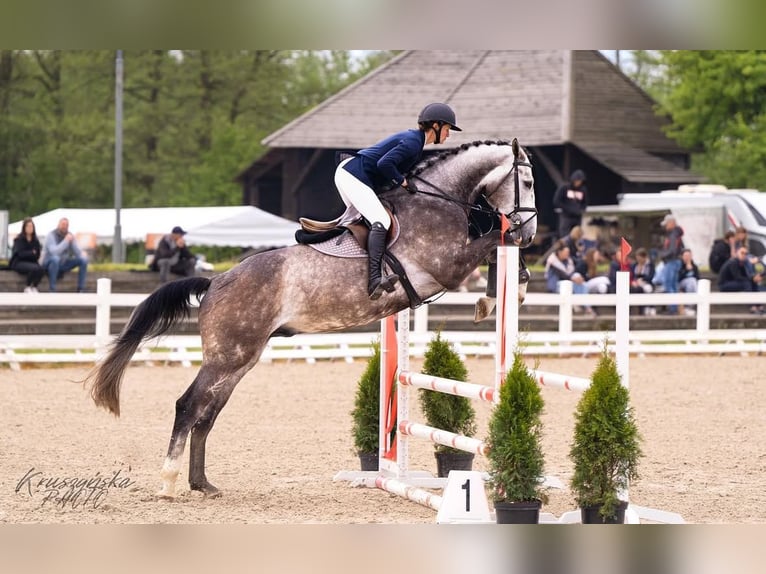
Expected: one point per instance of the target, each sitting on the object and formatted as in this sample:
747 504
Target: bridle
514 217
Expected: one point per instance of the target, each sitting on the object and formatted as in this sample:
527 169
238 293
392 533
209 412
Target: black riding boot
376 245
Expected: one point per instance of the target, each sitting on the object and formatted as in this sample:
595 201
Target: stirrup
387 284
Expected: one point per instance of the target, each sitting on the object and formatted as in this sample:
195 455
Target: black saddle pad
306 238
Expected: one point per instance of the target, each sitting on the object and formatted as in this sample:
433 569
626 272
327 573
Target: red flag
504 227
625 248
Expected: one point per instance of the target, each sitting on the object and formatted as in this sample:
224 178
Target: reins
514 216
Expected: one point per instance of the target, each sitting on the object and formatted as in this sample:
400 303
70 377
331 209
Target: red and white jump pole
394 473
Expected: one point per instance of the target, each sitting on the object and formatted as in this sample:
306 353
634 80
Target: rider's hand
409 186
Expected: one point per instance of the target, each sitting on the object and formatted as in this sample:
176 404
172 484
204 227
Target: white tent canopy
237 226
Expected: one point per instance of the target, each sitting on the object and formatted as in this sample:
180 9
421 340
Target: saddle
313 231
346 236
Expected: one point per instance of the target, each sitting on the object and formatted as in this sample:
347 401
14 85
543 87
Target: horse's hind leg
197 478
199 405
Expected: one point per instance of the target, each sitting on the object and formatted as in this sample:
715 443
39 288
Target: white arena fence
565 341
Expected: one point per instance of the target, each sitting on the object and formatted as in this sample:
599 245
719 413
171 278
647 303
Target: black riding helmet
438 112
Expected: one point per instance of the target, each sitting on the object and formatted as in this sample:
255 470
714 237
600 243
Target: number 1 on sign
467 487
464 499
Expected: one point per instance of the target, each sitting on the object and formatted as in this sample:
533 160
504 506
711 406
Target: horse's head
509 187
498 171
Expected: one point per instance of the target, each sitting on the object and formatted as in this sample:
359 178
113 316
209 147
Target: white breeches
355 193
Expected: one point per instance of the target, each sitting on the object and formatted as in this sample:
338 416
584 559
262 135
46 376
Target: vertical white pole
703 307
622 326
385 326
421 320
103 312
621 339
565 308
511 305
500 366
403 392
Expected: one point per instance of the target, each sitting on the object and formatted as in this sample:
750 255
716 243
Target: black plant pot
592 514
368 460
446 461
527 512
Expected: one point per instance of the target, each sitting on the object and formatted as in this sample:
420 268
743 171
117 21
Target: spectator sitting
62 254
559 267
741 240
723 249
588 268
734 277
172 256
615 265
26 254
641 276
573 240
688 276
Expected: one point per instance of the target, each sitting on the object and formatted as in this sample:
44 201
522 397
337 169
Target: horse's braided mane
431 161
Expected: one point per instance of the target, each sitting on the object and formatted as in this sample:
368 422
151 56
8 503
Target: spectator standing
670 254
642 276
570 201
735 277
62 254
172 256
25 255
688 276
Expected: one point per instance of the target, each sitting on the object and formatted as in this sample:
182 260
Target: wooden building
571 109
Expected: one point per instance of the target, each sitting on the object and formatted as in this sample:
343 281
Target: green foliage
366 411
605 450
192 120
716 103
444 411
516 460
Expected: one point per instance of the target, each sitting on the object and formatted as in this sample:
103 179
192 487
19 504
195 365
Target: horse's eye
528 183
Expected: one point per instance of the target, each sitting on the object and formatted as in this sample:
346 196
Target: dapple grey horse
297 289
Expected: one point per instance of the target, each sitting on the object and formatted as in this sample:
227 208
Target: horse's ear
515 147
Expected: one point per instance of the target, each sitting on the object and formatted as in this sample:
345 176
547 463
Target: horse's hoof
207 489
162 495
484 306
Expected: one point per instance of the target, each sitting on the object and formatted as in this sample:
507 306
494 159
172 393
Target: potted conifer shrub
606 446
366 412
444 411
516 463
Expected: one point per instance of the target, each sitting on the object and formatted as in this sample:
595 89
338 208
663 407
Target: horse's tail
154 316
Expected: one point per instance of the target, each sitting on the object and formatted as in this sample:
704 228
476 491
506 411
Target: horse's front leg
485 305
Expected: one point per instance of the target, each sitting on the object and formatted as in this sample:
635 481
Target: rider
379 168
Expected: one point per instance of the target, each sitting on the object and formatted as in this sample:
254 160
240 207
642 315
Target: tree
192 120
716 102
